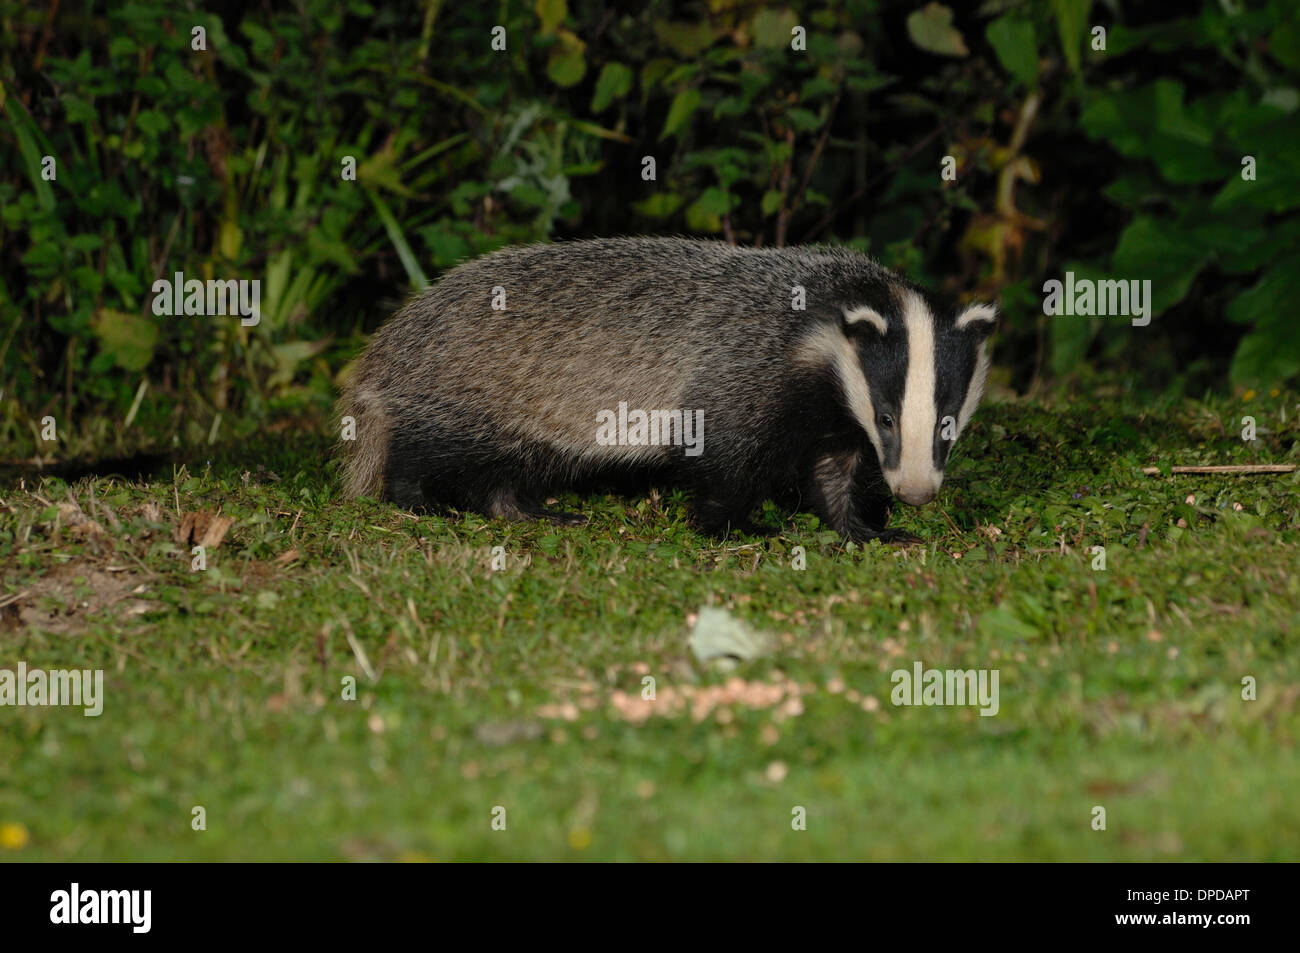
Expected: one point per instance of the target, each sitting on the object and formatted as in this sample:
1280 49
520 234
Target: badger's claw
900 536
564 519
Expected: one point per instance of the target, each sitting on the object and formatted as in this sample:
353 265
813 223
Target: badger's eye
886 422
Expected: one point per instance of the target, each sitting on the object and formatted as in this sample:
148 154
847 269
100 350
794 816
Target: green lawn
521 688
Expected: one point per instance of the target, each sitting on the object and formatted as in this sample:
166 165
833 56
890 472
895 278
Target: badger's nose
917 495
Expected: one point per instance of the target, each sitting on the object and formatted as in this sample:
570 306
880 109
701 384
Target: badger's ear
978 317
862 316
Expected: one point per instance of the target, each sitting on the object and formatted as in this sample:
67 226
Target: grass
518 688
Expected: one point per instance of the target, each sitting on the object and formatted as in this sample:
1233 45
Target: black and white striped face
921 377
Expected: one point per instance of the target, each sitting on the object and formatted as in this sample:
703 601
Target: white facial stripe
828 346
974 390
919 416
977 312
869 315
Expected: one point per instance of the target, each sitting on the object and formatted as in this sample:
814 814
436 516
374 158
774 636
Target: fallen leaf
497 733
717 635
202 528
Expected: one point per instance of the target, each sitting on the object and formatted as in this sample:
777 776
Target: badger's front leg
723 506
848 493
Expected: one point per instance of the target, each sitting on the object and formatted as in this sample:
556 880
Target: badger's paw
726 528
899 537
564 519
761 530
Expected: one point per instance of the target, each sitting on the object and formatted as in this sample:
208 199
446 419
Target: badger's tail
363 439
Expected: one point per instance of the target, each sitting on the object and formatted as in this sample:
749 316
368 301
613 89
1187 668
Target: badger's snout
917 492
917 495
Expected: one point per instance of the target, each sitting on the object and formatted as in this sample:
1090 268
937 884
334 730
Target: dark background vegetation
1121 163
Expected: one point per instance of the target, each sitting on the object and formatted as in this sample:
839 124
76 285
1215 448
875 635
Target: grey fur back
588 324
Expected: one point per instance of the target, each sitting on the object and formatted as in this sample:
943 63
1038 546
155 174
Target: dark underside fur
455 404
831 471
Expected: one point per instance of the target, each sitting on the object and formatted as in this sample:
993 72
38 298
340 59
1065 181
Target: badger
811 376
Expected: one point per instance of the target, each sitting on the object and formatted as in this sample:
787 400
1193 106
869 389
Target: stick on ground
1236 468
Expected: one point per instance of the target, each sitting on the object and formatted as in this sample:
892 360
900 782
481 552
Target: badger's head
913 372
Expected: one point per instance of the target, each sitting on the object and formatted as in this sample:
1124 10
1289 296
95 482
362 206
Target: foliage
226 163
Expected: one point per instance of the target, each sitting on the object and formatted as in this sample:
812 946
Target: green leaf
1271 300
87 279
1136 186
705 213
26 131
261 38
1271 136
403 248
127 338
684 104
86 242
288 355
152 122
77 109
1163 251
614 82
382 170
771 201
1071 335
1272 190
654 72
591 129
772 29
1153 122
1013 41
931 29
715 201
567 64
552 13
659 205
1284 44
1262 360
121 47
44 257
1004 624
687 40
1243 246
526 193
803 120
817 87
445 245
1071 22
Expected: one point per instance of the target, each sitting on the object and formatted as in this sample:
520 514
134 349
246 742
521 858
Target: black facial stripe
955 355
884 365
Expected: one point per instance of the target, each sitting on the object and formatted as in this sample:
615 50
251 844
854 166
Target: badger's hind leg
720 518
430 470
506 504
723 502
500 501
520 484
843 490
403 484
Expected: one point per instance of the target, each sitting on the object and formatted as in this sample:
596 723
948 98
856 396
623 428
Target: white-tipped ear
868 315
978 313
